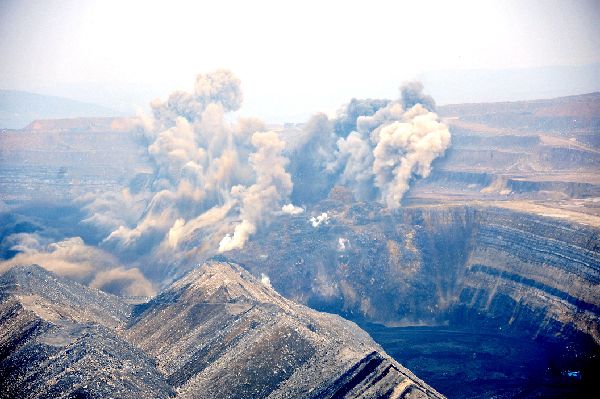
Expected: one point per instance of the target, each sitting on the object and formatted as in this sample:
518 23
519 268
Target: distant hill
18 108
489 85
569 115
582 105
87 124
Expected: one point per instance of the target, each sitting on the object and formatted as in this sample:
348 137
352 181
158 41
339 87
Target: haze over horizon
295 59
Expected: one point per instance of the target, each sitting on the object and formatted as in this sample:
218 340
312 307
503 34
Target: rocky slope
216 333
543 149
430 265
562 115
501 237
59 339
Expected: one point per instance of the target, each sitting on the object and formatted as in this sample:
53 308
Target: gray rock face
219 333
565 115
59 339
55 298
215 333
502 235
430 265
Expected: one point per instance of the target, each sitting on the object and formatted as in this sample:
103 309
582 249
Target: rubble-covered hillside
216 333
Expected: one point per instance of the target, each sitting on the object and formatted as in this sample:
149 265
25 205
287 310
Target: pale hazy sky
292 57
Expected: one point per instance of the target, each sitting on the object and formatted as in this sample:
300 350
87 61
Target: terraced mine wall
60 165
469 266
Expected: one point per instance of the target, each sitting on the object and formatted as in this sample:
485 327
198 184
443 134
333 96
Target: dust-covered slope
216 333
220 333
59 339
513 270
55 298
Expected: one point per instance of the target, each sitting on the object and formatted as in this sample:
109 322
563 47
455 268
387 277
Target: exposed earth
485 283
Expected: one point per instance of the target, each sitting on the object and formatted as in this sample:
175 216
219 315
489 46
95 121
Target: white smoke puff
110 210
199 156
323 218
407 148
206 169
265 280
178 105
242 232
291 209
412 94
342 244
311 149
72 258
356 156
246 127
24 242
174 148
69 257
212 131
392 144
391 112
259 200
348 115
159 218
123 281
317 133
220 86
183 230
175 232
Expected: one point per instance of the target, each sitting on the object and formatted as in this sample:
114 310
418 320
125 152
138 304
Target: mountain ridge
218 332
19 108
